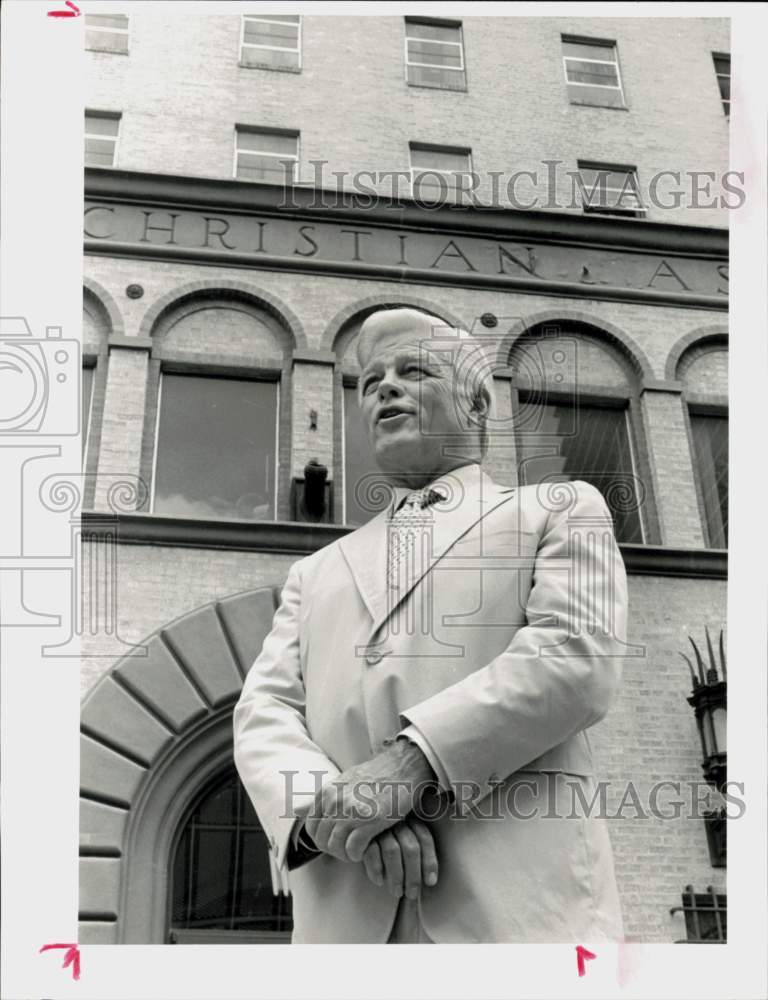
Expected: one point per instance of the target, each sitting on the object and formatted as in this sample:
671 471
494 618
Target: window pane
86 391
710 442
560 442
439 159
591 72
586 50
442 79
221 870
361 474
216 448
269 58
107 21
261 33
267 142
293 18
99 152
102 124
270 169
435 32
434 53
602 97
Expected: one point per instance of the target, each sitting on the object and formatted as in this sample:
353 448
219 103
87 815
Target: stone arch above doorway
152 729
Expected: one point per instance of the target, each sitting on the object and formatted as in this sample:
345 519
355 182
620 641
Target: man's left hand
367 799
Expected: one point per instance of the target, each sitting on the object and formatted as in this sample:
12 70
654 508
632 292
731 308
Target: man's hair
469 356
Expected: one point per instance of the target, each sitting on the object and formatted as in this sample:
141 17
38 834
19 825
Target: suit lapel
365 550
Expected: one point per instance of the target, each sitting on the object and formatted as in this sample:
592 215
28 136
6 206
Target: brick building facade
191 272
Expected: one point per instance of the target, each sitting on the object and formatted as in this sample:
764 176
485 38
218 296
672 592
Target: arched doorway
155 761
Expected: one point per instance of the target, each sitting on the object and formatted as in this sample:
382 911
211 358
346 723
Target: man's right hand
403 858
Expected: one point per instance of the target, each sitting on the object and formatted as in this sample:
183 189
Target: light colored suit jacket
501 655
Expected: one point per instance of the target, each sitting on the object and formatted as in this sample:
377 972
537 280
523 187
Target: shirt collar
465 474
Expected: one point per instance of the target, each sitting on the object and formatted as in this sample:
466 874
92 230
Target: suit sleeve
560 672
278 763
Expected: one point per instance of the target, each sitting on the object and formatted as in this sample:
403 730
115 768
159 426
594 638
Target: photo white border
42 192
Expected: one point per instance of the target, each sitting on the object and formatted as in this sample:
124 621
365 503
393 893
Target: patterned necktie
409 541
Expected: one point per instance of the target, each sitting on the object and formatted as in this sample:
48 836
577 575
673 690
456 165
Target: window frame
279 157
222 372
718 75
432 147
694 903
272 48
90 362
697 405
640 212
598 398
601 43
176 935
115 116
438 23
109 31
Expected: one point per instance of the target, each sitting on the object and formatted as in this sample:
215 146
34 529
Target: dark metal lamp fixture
312 496
710 703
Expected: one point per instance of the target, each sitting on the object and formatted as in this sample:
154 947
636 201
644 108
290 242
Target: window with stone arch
364 492
576 415
703 371
216 434
97 327
224 887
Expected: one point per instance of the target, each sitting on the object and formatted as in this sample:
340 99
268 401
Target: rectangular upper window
609 189
592 73
106 33
438 170
102 133
86 400
590 442
271 41
710 445
267 156
434 55
723 74
215 447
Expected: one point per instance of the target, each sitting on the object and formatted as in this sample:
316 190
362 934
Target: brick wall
177 119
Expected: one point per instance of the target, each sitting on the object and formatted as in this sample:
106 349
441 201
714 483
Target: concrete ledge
299 539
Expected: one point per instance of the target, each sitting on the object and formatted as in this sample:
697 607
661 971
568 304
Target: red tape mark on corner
73 12
582 956
71 957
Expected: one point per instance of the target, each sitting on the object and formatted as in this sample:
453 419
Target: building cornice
300 539
200 193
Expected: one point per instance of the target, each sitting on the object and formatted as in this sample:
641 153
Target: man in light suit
413 733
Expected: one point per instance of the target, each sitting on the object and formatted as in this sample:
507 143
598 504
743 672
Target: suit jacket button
373 658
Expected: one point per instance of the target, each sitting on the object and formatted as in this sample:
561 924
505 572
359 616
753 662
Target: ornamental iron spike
694 678
712 677
699 661
722 657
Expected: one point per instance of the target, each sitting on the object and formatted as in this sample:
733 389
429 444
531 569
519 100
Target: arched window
224 887
575 403
97 328
703 370
212 442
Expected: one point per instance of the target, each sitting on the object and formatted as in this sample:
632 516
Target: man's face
413 405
